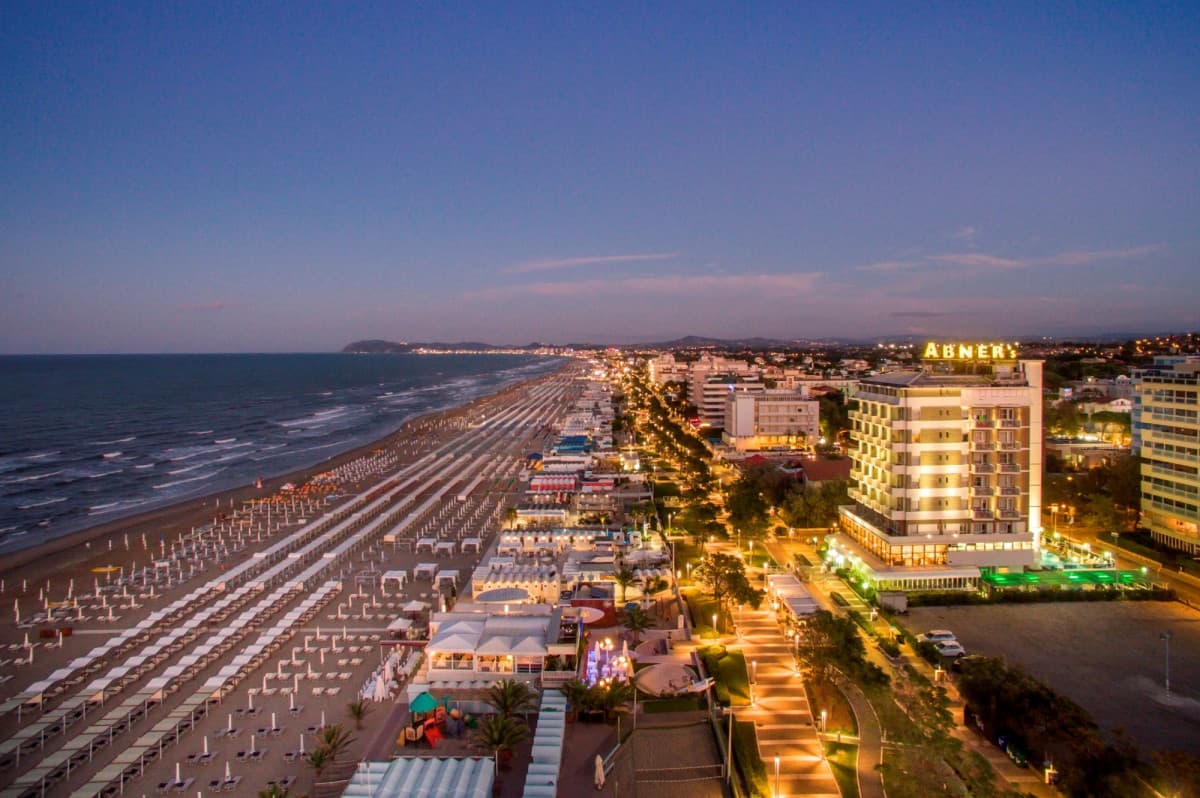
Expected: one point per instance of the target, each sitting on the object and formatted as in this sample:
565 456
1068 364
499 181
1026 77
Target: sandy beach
303 572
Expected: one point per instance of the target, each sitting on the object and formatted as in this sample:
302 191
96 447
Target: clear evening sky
284 176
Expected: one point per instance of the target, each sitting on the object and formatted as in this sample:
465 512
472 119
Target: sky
225 177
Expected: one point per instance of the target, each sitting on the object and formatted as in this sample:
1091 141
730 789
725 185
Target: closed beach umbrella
228 774
381 690
599 772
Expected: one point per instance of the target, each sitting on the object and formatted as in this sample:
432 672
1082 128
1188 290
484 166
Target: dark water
87 439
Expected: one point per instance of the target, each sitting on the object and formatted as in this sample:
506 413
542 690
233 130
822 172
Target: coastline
173 518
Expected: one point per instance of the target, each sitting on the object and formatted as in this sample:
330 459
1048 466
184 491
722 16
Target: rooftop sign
983 352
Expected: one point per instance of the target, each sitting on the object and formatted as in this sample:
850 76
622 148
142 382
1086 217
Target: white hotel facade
947 474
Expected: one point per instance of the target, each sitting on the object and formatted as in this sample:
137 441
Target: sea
88 439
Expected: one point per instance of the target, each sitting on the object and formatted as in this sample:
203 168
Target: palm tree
358 710
510 515
613 697
319 759
637 621
578 694
624 577
500 734
508 697
335 739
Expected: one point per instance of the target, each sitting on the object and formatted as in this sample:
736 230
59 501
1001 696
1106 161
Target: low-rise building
770 419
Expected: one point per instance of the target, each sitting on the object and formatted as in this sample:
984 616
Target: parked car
936 636
949 648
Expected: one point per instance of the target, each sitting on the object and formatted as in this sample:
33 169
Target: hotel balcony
1010 446
1010 468
1010 423
982 490
1010 491
984 422
982 446
983 468
981 515
1010 514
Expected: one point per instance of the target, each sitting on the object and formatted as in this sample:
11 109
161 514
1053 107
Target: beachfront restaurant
468 652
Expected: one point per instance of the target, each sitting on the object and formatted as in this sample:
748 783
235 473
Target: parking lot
1106 656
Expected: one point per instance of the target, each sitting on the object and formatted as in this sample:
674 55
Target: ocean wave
272 447
33 505
42 455
99 474
185 481
31 478
118 440
175 471
223 441
116 507
144 466
111 455
317 418
201 432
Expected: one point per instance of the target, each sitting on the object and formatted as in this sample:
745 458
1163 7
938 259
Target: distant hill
379 347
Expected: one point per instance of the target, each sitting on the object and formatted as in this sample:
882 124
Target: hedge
749 762
949 598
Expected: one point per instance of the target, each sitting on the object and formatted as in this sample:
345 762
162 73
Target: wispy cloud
890 266
918 314
592 260
207 306
677 285
1079 257
966 233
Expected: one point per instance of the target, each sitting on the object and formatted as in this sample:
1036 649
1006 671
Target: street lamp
715 629
777 776
824 716
1166 638
754 671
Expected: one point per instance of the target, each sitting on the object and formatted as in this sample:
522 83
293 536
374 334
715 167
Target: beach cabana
471 545
426 544
445 548
425 570
450 576
400 577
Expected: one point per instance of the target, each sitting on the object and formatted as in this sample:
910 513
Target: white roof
424 777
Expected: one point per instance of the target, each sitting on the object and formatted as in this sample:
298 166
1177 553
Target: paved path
870 744
781 712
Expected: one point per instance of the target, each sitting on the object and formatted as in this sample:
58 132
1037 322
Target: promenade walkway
781 712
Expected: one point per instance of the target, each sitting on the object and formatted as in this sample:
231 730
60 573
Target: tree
612 696
724 576
358 710
510 516
1103 513
578 694
510 697
637 621
318 759
499 733
335 740
624 576
829 642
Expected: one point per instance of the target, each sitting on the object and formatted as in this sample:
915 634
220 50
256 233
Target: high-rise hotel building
1166 435
947 469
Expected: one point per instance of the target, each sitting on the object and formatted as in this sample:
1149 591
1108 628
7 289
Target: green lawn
843 761
729 669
